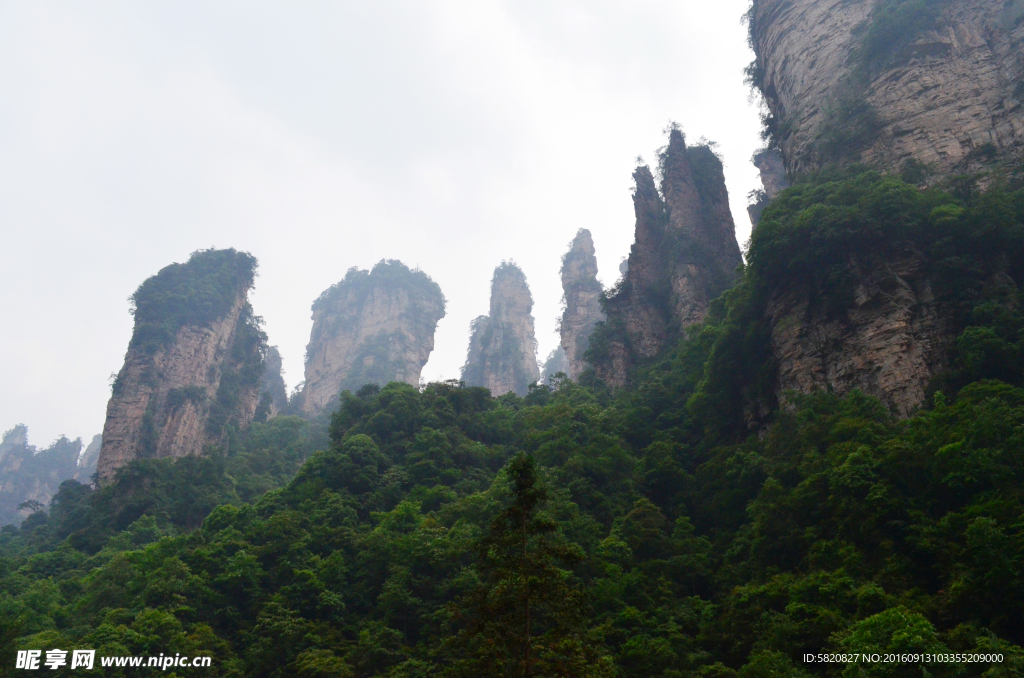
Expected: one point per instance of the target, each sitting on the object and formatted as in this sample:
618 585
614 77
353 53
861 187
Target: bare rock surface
176 395
273 393
684 255
502 355
372 327
952 99
772 168
889 343
582 297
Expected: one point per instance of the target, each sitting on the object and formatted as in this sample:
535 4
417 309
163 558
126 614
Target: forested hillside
689 526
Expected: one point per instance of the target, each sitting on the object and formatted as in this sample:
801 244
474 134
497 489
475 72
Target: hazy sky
321 135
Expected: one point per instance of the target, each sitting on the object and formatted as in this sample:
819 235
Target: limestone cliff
685 255
87 461
772 167
502 352
556 362
372 327
889 343
193 365
29 475
582 298
273 393
927 89
939 83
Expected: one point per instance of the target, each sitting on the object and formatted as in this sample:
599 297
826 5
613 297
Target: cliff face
773 178
890 343
556 362
28 475
939 82
502 352
685 254
582 296
273 394
193 365
373 327
927 89
88 459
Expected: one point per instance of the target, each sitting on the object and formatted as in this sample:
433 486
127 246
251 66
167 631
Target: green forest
658 531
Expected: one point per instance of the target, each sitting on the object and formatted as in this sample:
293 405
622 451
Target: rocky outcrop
193 366
685 255
502 354
889 343
88 459
772 167
555 363
373 327
944 90
31 477
582 298
273 393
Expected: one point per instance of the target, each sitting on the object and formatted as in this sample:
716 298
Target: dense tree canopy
574 532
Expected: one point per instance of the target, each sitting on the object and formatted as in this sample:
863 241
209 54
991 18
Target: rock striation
685 255
889 344
843 83
28 475
373 327
582 298
193 365
502 354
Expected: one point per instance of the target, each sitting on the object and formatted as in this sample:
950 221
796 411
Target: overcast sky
321 135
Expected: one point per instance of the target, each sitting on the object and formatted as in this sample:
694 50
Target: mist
319 136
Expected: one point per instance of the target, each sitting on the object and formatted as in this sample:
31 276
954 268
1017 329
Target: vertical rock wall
685 255
193 366
372 327
773 178
582 296
273 393
502 352
946 93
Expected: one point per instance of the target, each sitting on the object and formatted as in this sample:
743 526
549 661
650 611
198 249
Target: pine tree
526 618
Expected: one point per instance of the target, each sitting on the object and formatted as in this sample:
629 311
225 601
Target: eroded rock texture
889 343
773 178
193 366
582 296
685 255
373 327
502 354
950 97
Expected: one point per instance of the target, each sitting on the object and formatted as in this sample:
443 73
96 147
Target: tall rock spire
582 296
193 365
373 327
502 352
685 255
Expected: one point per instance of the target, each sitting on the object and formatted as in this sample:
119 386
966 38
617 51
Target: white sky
320 135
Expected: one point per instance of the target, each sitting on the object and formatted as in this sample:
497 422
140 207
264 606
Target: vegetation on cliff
198 292
573 532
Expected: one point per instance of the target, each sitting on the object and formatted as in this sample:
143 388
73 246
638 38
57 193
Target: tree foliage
574 532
